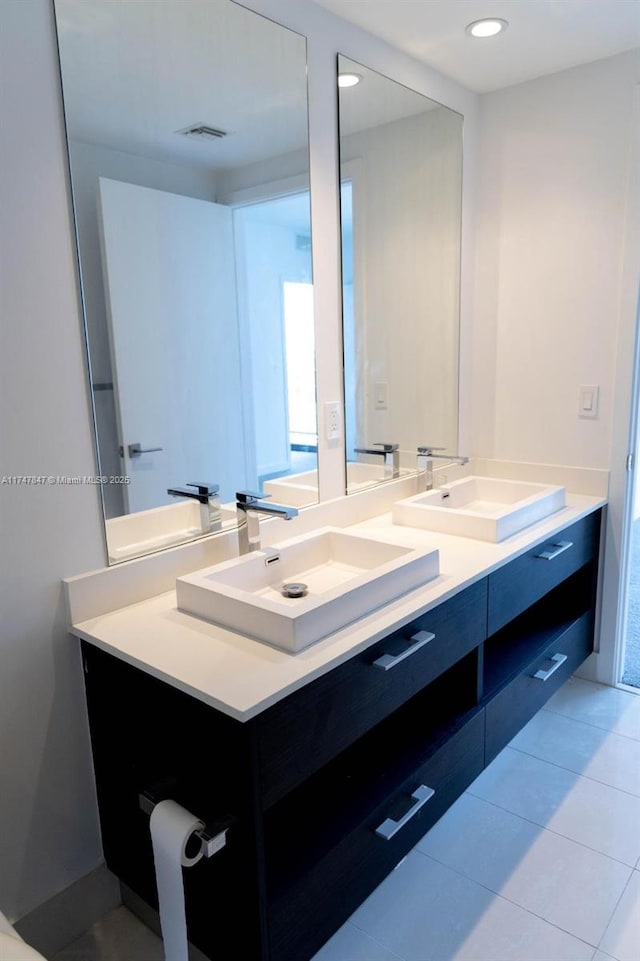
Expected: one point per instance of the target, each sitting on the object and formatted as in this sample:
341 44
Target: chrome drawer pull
386 661
557 549
389 827
545 675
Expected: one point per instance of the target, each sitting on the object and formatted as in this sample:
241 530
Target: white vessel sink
486 508
296 490
347 576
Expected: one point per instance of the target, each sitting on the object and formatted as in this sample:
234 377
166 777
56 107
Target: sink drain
294 590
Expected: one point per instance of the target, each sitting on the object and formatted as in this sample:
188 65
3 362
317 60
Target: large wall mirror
401 196
187 129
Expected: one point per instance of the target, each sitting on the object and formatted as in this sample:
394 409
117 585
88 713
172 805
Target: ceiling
543 36
136 73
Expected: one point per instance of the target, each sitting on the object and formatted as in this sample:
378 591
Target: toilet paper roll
171 828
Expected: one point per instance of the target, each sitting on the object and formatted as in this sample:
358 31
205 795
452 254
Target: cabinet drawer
327 889
516 703
307 729
525 580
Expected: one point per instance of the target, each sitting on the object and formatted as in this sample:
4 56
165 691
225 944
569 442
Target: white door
171 301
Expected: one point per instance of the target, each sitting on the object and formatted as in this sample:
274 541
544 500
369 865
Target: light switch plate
588 401
381 399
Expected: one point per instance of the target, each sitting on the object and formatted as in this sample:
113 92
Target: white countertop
241 677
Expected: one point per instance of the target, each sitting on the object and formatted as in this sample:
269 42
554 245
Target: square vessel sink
346 576
486 508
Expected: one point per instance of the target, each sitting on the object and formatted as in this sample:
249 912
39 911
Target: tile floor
538 861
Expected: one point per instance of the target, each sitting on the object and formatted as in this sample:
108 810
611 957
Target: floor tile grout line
578 720
599 685
580 774
549 830
613 912
386 947
563 767
597 727
498 894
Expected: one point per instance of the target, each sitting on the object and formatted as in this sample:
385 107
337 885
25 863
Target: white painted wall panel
48 820
554 167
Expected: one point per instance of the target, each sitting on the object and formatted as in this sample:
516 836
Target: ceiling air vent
203 132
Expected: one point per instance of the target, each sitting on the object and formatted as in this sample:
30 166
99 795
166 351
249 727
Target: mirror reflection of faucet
390 452
207 497
425 458
248 506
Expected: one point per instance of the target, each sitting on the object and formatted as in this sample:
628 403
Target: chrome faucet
207 497
426 456
248 506
390 452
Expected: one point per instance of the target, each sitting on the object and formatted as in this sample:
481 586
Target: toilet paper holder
213 836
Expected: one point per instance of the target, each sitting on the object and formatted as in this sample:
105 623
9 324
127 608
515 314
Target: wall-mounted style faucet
390 452
207 497
248 506
425 458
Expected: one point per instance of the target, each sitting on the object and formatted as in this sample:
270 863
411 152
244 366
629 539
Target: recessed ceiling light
348 79
487 28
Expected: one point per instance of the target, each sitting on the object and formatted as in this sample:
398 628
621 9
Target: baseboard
63 918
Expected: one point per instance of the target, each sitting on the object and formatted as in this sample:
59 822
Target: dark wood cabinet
328 789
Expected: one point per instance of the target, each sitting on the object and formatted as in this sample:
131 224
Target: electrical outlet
332 420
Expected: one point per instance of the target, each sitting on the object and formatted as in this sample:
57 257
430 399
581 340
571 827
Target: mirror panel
401 196
187 129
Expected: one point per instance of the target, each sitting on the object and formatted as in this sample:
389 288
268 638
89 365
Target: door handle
136 449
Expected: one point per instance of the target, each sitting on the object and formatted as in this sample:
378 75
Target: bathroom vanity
327 777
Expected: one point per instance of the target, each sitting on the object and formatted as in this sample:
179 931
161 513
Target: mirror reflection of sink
300 489
486 508
361 475
145 532
346 577
296 490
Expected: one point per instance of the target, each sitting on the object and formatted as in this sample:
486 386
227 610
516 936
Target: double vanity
325 733
320 701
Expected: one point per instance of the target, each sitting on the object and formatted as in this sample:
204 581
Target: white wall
557 285
48 822
552 203
49 832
